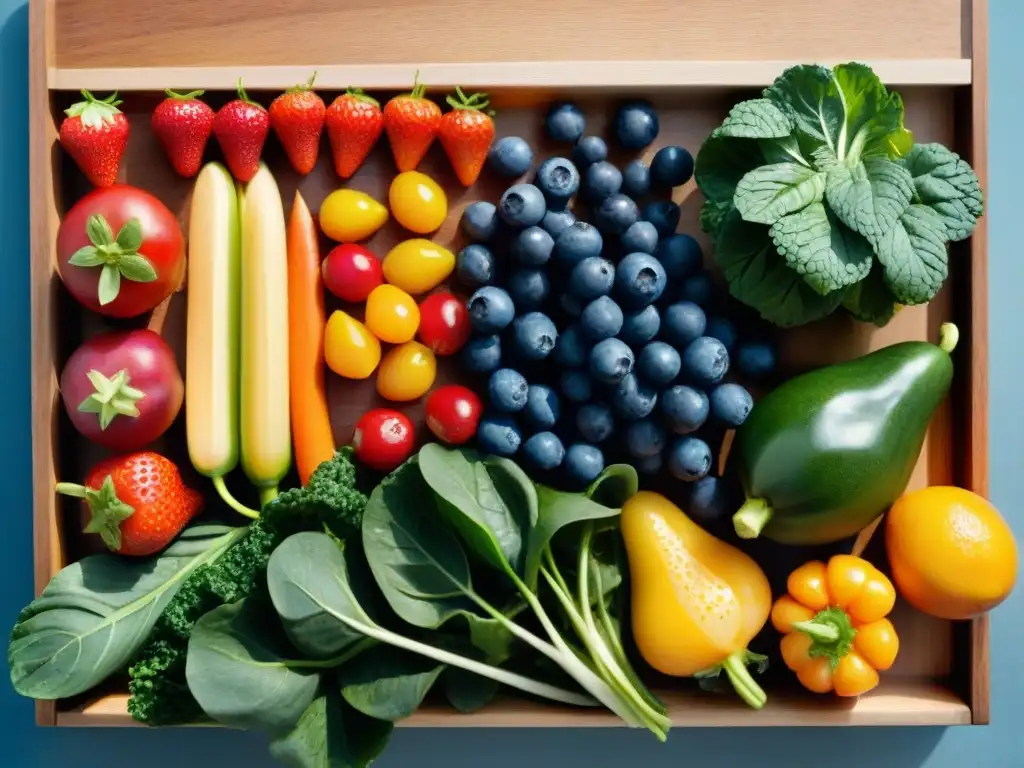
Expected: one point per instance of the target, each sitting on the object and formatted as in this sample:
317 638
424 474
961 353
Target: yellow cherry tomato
349 348
417 202
418 265
391 314
348 215
406 372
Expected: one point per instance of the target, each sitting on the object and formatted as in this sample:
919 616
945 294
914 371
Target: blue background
997 746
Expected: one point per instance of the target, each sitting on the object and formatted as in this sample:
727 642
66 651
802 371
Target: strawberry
411 122
466 134
95 133
138 502
297 117
241 127
354 123
182 124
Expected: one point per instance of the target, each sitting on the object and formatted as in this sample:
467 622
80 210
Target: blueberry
482 354
685 408
697 289
583 463
641 237
658 363
756 360
572 348
632 399
498 434
689 458
639 279
601 318
671 167
559 180
723 329
712 500
730 404
533 246
636 125
528 288
680 255
589 150
636 179
575 385
577 242
664 215
490 309
474 266
480 221
616 214
591 278
640 327
543 451
510 157
601 180
705 361
556 222
595 422
542 407
572 306
536 335
522 205
682 322
507 390
564 122
610 361
649 465
645 438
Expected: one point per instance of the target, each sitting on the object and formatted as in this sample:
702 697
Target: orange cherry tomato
407 372
392 314
350 350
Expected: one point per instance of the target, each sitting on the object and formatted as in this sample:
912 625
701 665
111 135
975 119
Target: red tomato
144 259
383 439
453 413
351 272
122 389
444 323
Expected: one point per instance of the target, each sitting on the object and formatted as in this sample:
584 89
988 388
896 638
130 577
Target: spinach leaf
722 162
820 249
388 683
756 119
914 255
766 194
330 734
243 672
869 196
945 183
490 501
95 614
468 692
616 485
712 214
808 96
870 301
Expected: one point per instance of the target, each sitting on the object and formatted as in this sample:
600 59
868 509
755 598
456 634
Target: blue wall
995 746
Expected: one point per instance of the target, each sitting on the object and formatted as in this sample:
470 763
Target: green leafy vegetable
870 301
467 692
388 683
95 614
914 255
946 184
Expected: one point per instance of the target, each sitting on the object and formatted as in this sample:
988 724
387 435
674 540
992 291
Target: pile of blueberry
600 339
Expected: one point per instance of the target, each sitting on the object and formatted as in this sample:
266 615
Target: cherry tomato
349 348
417 202
453 413
347 215
418 265
351 272
406 372
391 314
383 439
444 323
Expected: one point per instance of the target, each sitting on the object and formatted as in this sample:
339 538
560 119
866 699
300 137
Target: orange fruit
952 554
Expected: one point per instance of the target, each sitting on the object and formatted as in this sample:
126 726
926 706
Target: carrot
311 421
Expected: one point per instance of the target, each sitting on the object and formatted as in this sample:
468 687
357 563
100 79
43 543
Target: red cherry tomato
444 323
453 413
383 439
351 272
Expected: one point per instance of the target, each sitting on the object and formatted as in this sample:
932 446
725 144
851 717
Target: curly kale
331 500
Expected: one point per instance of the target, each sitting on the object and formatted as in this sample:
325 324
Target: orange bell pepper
836 636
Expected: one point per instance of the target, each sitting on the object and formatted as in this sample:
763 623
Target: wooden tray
933 51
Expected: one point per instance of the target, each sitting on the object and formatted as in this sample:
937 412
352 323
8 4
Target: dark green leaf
712 214
616 485
914 255
98 230
721 163
769 192
821 250
869 197
808 95
468 692
946 183
86 256
756 119
136 267
129 238
388 683
872 114
870 301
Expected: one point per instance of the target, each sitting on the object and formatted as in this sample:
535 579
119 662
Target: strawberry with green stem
466 134
183 124
411 122
95 133
241 127
354 124
297 117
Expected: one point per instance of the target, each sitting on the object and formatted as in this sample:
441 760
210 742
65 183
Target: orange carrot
311 421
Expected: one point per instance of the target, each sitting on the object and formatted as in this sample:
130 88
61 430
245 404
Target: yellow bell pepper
697 601
836 636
